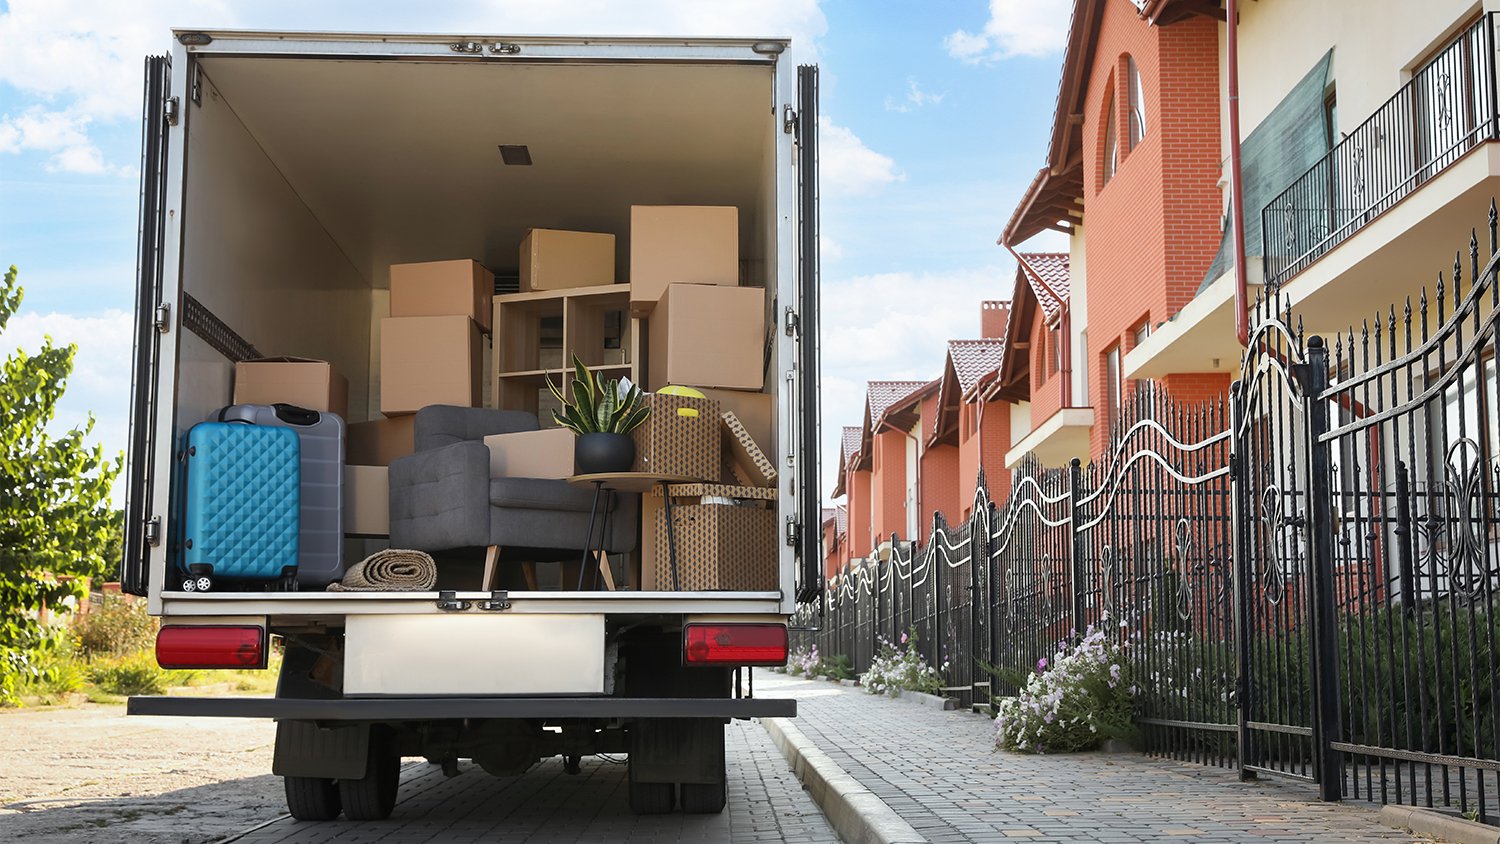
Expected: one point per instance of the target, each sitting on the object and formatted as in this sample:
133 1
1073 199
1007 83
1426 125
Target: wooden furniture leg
491 560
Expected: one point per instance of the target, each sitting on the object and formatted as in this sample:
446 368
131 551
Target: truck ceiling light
195 39
218 646
734 644
515 154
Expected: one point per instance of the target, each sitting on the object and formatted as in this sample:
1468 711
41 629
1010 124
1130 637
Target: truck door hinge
793 532
448 601
196 94
163 318
793 323
504 48
153 531
169 109
788 119
499 600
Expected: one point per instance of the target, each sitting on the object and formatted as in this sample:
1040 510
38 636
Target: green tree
56 523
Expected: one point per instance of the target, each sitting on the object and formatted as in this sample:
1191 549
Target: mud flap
677 750
303 749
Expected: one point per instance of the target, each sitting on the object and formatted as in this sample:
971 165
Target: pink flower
1041 664
903 638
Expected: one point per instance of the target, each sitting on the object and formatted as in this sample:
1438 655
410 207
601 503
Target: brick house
1132 179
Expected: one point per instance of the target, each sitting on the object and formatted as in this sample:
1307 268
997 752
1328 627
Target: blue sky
936 117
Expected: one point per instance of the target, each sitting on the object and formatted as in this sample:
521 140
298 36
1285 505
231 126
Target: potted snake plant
602 412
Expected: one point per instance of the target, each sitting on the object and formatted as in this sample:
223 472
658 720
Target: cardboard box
429 360
532 454
443 288
650 506
557 260
756 411
719 547
378 442
717 490
713 336
304 382
367 501
697 244
680 437
748 463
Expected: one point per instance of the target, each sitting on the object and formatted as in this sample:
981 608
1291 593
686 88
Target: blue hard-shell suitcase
242 505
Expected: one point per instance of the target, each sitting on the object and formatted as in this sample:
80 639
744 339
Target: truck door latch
163 318
499 600
448 601
793 323
505 48
153 531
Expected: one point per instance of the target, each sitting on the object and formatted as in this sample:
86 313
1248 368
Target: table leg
601 554
588 540
666 494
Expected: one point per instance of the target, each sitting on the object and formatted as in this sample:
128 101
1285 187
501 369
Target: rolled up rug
392 570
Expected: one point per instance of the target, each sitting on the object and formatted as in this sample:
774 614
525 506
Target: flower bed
1074 701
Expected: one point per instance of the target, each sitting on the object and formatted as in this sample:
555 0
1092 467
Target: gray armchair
442 496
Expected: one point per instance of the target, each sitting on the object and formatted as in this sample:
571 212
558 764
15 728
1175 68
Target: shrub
803 662
900 667
1073 702
118 627
135 675
837 667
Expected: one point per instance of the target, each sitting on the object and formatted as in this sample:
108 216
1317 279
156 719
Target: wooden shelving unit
593 320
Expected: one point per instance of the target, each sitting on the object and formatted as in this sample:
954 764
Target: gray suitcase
320 539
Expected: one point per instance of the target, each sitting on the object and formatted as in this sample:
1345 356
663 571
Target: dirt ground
88 773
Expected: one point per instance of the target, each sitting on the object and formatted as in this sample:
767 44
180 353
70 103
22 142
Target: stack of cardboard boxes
706 332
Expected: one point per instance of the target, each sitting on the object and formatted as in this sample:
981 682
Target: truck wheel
703 798
373 796
312 798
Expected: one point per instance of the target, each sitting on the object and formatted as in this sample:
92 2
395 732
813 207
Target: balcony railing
1446 109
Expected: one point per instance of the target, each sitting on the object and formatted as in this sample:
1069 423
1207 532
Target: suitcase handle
294 415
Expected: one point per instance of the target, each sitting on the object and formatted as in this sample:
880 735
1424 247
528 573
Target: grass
70 678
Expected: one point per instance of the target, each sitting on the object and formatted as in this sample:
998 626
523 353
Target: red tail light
211 647
734 644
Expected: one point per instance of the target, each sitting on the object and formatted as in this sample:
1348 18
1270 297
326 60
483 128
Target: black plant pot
595 453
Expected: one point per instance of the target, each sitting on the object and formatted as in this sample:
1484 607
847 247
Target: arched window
1111 143
1137 103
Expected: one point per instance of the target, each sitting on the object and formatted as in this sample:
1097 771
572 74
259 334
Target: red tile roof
1048 276
851 436
883 394
974 360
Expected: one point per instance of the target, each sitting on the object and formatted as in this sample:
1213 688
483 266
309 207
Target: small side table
612 482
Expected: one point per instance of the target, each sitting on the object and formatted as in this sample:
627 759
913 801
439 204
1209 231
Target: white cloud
60 134
829 249
81 59
1015 28
100 383
847 167
873 330
915 98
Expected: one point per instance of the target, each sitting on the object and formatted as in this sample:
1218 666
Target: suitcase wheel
197 584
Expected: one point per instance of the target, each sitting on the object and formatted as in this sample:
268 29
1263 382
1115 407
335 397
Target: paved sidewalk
938 772
766 803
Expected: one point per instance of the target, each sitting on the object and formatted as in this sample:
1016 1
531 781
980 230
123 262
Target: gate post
1075 553
1241 516
1313 376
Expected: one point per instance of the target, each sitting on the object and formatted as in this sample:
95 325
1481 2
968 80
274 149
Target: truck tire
703 798
312 798
373 796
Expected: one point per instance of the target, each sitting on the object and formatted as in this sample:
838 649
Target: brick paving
937 771
766 803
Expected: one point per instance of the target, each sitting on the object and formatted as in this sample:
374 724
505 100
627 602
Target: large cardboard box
532 454
304 382
367 501
429 360
748 463
719 547
756 411
443 288
557 260
698 244
379 441
706 335
650 506
682 436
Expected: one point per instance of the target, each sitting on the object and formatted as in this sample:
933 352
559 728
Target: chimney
993 315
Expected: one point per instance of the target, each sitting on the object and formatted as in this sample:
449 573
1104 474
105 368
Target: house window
1054 345
1111 145
1137 103
1145 388
1082 359
1112 385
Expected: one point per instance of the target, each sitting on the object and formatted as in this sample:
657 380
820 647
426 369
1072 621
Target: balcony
1061 437
1446 110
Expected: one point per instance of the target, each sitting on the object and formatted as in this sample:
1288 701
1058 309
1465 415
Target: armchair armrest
440 498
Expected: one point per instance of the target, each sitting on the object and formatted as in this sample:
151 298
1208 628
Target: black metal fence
1303 583
1447 108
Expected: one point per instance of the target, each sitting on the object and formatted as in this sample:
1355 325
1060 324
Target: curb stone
1439 825
856 813
933 701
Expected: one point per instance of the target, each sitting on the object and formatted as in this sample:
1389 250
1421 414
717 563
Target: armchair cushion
440 498
541 494
441 424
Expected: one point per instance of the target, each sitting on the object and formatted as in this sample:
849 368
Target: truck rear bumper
442 708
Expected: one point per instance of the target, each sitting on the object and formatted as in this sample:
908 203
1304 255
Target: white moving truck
282 174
